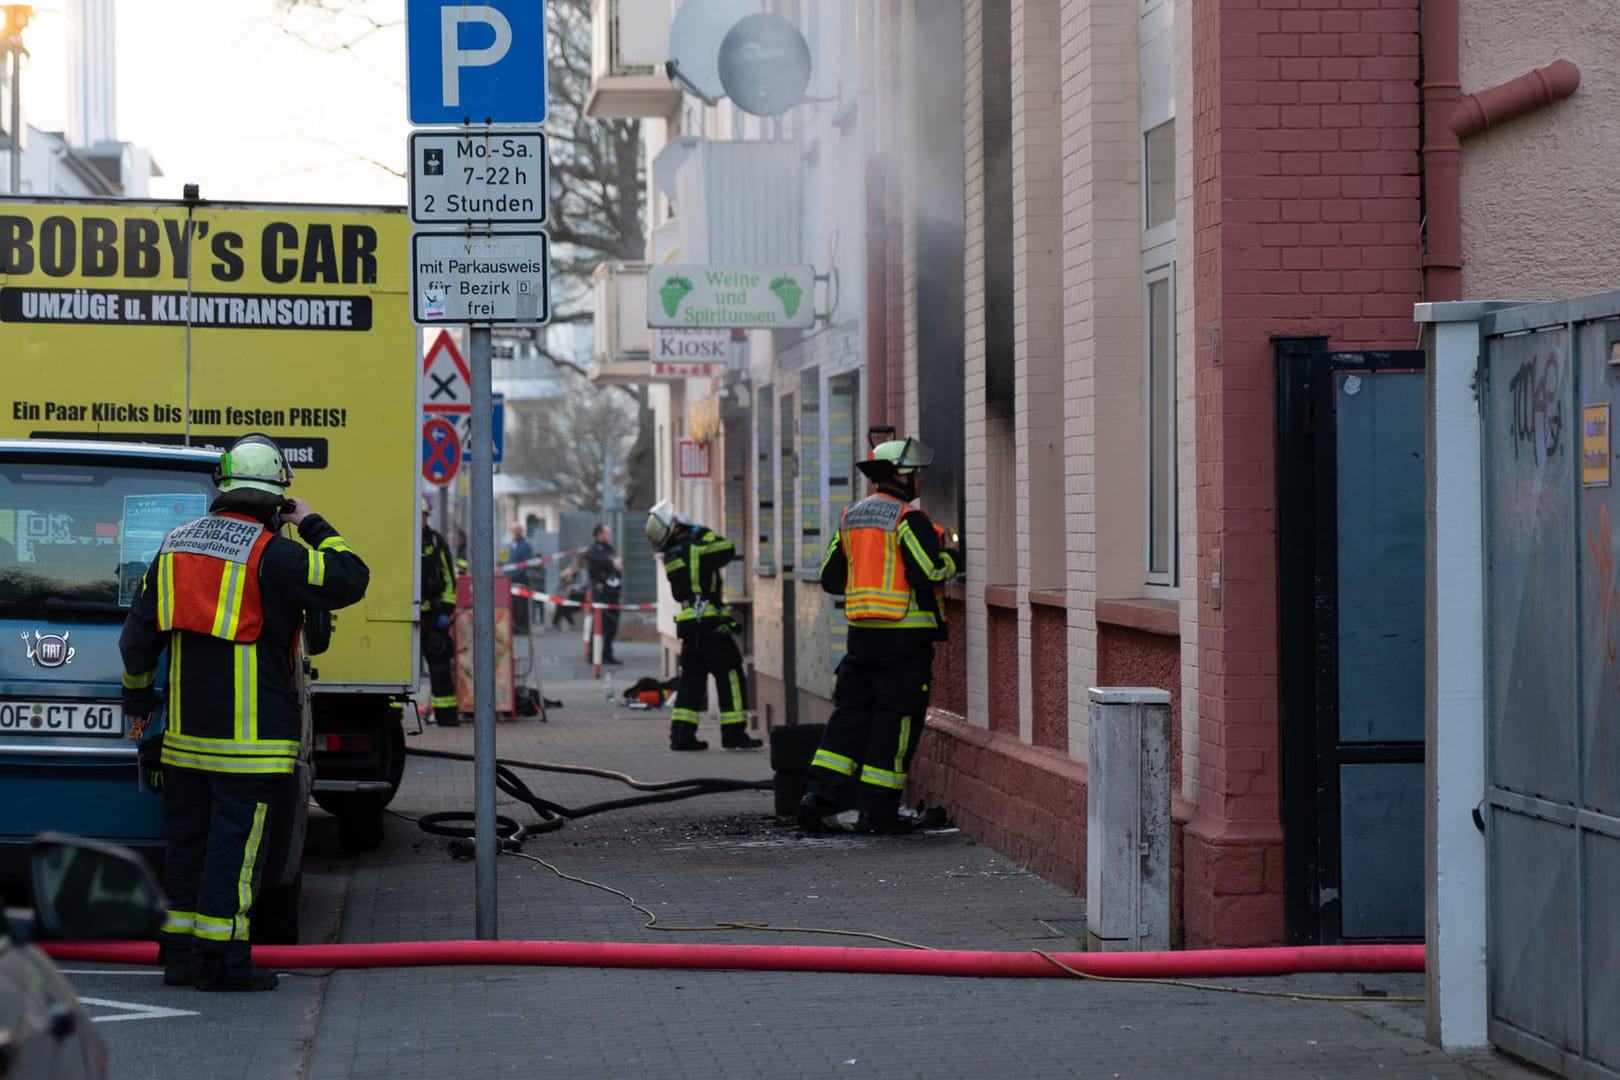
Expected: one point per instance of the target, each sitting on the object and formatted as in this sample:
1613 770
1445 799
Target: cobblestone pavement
676 870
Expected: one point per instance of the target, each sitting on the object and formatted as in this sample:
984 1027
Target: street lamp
14 19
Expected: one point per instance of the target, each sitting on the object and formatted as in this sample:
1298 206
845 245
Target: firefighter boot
683 736
176 961
736 737
216 976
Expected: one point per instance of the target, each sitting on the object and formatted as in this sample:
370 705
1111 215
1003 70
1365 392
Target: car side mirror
85 890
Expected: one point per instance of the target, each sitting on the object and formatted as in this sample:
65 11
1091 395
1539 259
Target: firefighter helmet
897 457
661 522
253 461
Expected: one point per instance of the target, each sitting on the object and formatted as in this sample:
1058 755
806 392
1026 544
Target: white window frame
1161 582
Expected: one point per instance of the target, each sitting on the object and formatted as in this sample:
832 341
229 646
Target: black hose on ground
555 815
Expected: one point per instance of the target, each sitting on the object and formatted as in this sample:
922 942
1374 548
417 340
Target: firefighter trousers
707 650
879 703
439 650
219 833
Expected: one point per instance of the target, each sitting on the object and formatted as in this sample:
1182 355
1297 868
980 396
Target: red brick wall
948 687
1049 677
1001 667
1305 221
1130 657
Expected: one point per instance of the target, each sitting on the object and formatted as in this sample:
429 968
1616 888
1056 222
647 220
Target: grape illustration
672 292
788 291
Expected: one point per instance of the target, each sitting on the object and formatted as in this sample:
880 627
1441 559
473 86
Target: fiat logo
49 650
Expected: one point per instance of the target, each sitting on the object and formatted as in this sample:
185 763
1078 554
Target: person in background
438 615
693 558
519 551
889 563
573 582
607 577
226 598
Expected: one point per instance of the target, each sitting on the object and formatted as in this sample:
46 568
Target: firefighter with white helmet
226 598
693 558
889 562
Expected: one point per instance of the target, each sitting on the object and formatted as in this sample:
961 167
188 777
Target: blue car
79 525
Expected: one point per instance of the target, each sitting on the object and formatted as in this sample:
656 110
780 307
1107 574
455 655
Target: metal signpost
476 69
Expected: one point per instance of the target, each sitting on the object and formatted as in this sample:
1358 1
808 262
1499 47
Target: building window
765 481
810 457
1160 424
1159 175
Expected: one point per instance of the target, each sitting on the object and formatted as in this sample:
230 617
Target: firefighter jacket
692 563
226 597
438 574
886 561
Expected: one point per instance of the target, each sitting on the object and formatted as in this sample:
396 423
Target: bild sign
692 459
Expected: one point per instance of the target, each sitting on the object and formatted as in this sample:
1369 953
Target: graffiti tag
1538 414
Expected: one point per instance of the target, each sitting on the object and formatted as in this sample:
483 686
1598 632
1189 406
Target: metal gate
1350 551
1550 376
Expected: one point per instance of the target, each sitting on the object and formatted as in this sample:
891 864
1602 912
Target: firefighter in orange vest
226 598
889 563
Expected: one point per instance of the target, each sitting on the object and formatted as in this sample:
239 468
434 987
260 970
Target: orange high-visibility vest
208 577
876 591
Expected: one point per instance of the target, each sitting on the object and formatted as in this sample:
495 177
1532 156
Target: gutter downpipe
1448 118
877 294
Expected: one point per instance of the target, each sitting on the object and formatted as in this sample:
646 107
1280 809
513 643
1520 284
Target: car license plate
61 718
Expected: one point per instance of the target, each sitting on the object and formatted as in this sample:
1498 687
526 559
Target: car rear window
79 536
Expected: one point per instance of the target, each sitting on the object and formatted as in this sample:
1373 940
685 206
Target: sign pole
481 541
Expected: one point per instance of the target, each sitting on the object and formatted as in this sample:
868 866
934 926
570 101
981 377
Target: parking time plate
61 718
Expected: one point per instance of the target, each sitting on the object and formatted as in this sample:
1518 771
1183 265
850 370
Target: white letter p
455 58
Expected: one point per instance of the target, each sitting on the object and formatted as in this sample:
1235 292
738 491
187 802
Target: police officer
888 562
226 597
693 556
438 612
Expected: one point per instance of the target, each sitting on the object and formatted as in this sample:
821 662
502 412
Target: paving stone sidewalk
684 867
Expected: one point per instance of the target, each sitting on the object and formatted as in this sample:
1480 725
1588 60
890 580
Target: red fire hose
1202 963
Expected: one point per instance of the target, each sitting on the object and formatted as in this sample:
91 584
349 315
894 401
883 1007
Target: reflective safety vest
208 577
877 593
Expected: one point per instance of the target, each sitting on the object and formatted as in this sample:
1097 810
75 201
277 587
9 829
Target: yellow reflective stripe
317 568
940 571
172 725
684 716
211 929
231 747
140 682
672 565
227 609
179 922
837 763
900 747
335 543
734 679
832 546
912 621
235 766
165 601
883 778
244 877
245 668
445 701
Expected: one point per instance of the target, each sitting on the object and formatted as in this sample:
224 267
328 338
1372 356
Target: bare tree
566 444
597 175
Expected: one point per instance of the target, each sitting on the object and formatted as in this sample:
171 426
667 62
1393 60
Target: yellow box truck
188 324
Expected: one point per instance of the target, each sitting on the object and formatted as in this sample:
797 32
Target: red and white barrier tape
541 560
519 590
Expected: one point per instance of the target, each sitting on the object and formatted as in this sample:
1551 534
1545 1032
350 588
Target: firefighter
438 613
889 563
226 597
693 556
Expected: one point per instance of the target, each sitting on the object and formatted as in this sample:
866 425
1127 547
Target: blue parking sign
476 63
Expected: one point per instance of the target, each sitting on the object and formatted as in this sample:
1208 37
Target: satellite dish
695 34
668 161
764 64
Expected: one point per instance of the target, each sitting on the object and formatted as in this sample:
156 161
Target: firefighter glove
140 701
